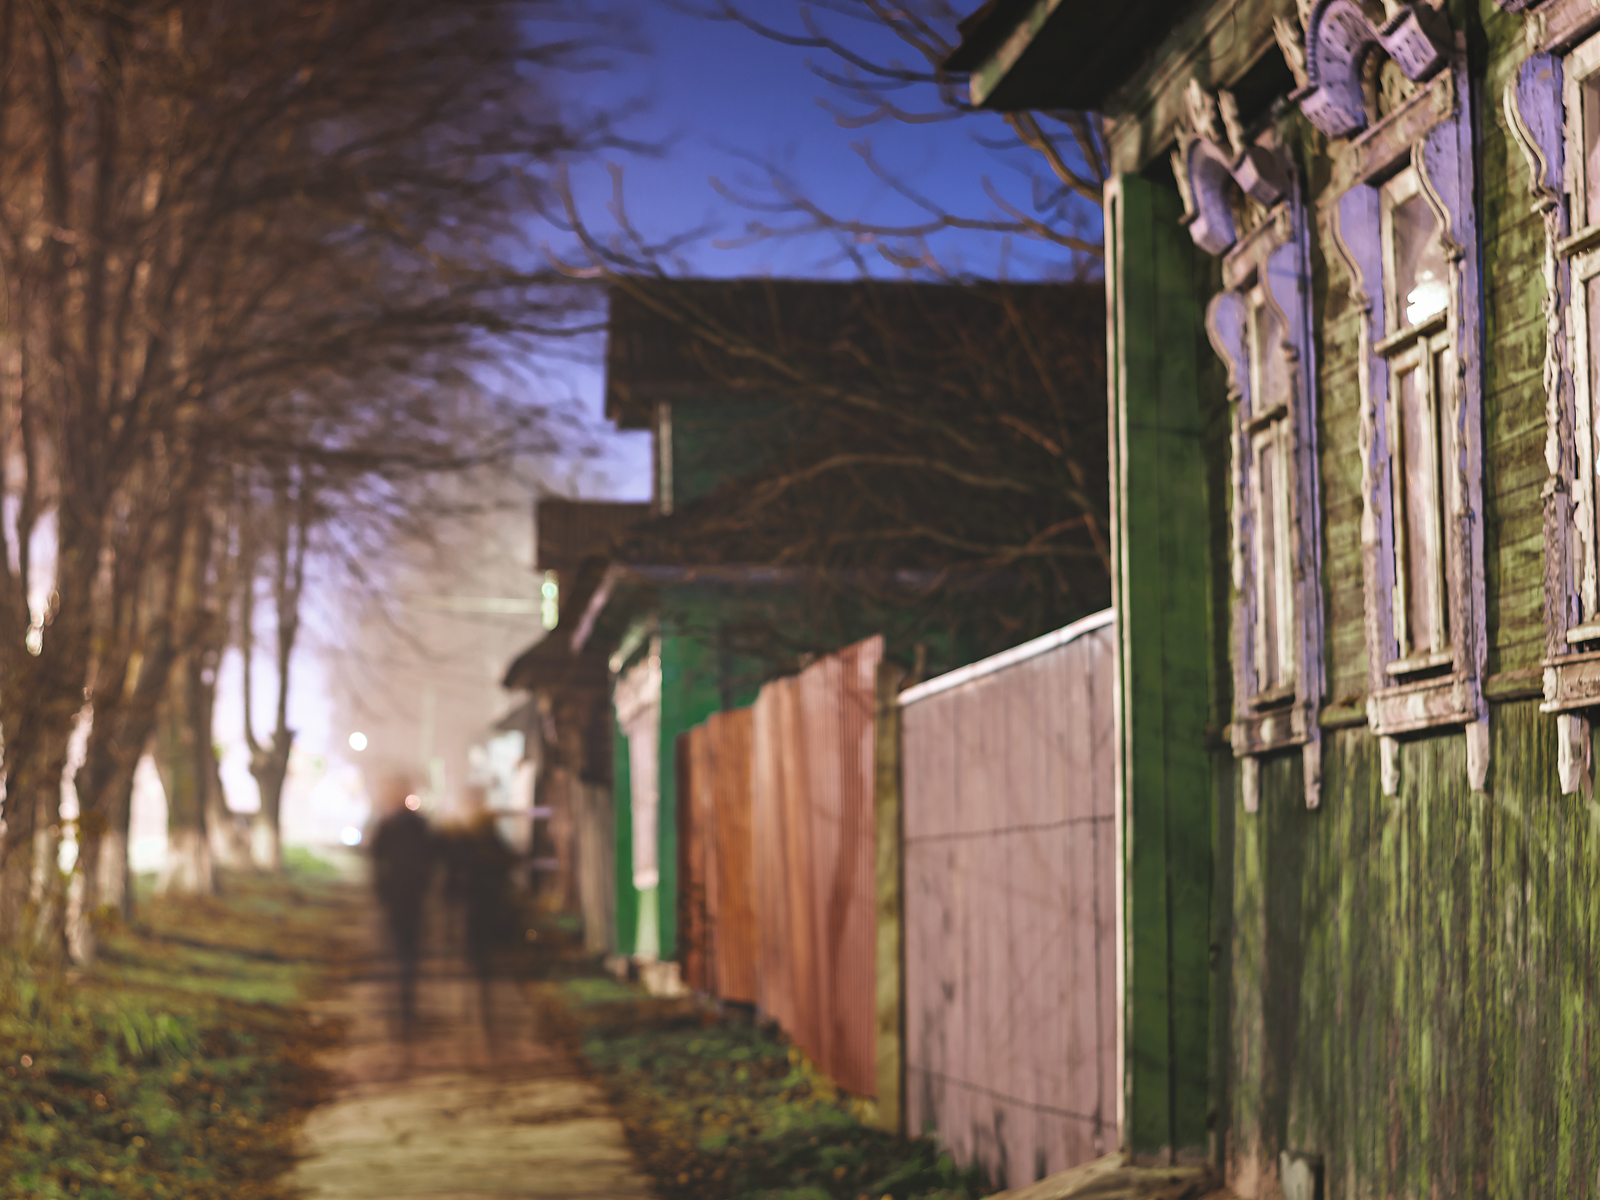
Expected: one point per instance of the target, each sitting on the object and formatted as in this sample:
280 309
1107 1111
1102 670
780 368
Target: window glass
1419 433
1589 94
1420 289
1267 473
1271 367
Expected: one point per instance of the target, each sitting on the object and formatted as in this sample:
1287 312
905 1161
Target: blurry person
402 859
478 881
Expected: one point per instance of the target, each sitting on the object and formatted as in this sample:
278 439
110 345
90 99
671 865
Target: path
454 1116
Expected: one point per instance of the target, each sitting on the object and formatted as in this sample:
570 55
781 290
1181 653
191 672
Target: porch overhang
1056 54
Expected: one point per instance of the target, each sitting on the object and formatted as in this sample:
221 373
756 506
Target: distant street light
358 742
413 803
350 835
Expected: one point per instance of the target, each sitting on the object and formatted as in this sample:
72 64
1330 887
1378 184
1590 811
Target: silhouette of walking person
478 877
402 860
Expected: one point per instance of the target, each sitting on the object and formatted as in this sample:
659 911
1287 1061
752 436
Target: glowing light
350 835
413 802
358 742
1430 296
550 603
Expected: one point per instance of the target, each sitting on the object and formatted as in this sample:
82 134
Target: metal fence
1008 809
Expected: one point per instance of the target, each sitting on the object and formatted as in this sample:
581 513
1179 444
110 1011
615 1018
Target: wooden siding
1163 526
813 825
1411 982
1514 420
1415 977
717 928
1009 854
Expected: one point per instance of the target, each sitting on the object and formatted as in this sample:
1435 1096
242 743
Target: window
1261 326
1406 229
1270 474
1553 109
1579 255
1420 368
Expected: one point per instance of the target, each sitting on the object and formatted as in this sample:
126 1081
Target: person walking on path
478 881
402 860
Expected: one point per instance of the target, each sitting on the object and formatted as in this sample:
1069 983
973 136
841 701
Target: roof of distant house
671 338
569 531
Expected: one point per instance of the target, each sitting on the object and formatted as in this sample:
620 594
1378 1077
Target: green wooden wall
1162 533
627 932
1412 980
690 692
1415 977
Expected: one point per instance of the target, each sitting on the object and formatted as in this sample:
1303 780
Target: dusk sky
719 96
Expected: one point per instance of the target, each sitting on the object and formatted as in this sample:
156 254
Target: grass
722 1108
180 1066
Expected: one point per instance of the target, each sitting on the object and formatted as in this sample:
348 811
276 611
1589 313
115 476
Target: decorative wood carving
1442 156
1271 267
1209 162
1556 25
1535 104
1328 48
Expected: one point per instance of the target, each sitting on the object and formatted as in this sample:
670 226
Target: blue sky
718 96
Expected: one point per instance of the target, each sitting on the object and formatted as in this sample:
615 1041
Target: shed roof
1058 54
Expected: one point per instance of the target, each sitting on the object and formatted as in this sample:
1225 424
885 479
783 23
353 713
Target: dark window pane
1590 91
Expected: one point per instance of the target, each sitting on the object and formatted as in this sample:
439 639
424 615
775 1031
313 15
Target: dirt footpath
457 1114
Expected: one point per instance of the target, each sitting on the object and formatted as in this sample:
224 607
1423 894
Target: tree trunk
230 846
184 776
30 882
116 869
270 767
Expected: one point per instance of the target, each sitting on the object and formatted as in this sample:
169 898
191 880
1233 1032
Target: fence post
889 1047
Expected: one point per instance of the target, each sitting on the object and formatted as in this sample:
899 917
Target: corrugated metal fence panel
1009 859
730 872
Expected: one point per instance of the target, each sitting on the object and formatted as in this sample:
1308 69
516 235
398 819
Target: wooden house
734 582
1353 295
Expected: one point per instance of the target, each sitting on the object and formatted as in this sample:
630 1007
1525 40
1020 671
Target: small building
780 412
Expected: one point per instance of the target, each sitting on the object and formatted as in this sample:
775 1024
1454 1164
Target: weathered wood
1112 1178
889 876
1160 544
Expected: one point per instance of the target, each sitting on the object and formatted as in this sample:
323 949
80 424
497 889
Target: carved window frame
1543 109
1264 309
1429 134
1269 271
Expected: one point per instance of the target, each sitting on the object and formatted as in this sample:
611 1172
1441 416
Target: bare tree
211 213
881 64
289 519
